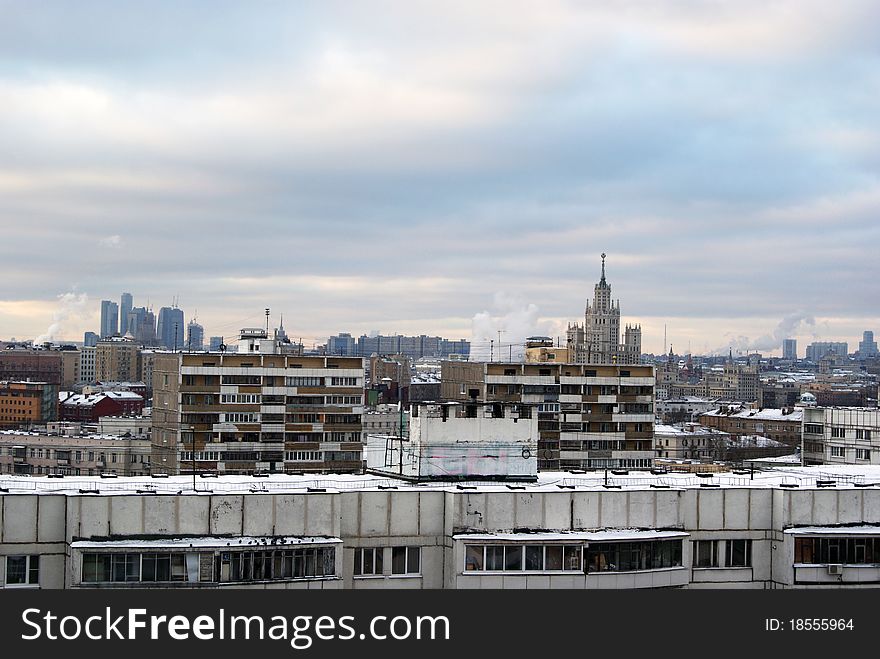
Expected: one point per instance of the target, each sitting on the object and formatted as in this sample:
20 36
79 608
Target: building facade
597 341
841 435
170 329
782 530
41 454
816 351
25 404
589 417
781 425
257 410
117 360
789 349
109 319
125 302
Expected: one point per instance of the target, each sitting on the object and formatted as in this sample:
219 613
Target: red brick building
89 408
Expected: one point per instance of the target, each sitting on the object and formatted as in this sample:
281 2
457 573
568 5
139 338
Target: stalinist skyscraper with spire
597 341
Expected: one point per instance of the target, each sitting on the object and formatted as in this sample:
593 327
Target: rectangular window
23 570
837 452
738 553
368 561
863 454
406 560
838 432
705 553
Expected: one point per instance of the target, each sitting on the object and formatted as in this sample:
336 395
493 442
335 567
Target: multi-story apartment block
841 435
87 371
258 409
88 455
414 347
70 366
589 416
27 403
733 381
782 425
797 528
36 364
779 393
88 408
117 359
597 341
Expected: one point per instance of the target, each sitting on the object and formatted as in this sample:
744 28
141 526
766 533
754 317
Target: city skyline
444 172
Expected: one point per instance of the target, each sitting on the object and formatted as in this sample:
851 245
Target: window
858 550
22 570
368 561
837 452
739 553
406 560
344 382
838 432
705 553
305 382
633 556
517 558
863 454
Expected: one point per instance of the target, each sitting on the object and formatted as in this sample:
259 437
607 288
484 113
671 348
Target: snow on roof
570 536
768 414
834 530
204 541
90 400
688 431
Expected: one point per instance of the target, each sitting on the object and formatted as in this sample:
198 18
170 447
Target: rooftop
825 476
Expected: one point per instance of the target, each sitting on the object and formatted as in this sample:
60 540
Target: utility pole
491 349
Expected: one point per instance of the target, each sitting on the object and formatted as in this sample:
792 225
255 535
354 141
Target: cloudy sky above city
447 168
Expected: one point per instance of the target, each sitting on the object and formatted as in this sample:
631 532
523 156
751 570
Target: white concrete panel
225 514
404 513
192 515
613 511
160 514
529 510
431 513
259 513
557 511
350 504
849 506
871 504
499 511
586 510
319 515
667 513
94 516
126 515
374 513
20 518
52 518
290 513
762 506
824 507
798 507
711 507
736 509
641 509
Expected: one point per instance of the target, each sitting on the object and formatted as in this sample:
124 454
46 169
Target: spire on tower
603 267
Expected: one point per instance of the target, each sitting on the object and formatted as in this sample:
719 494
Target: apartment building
81 455
117 359
590 416
27 403
782 425
26 363
257 409
784 528
842 435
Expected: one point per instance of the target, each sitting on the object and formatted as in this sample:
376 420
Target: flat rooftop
819 477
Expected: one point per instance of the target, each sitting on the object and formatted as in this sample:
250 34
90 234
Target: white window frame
28 584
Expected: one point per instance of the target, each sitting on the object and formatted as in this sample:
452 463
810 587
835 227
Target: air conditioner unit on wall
835 569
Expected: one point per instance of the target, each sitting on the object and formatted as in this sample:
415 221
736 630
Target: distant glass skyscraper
789 349
868 346
171 328
195 336
90 339
124 309
109 318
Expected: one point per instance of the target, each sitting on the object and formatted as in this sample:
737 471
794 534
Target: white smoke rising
516 318
69 305
790 326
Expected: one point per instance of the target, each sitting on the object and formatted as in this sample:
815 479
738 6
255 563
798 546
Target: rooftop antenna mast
267 322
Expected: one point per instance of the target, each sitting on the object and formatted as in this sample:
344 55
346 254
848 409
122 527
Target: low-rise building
782 425
88 408
77 455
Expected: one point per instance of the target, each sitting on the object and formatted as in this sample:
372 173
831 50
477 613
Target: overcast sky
447 168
